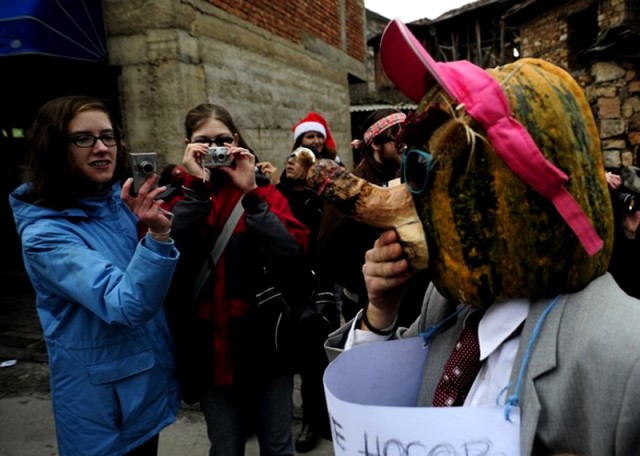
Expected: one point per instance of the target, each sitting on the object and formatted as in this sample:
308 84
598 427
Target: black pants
311 363
148 448
314 403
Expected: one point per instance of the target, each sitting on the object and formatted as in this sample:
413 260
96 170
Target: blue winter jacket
99 296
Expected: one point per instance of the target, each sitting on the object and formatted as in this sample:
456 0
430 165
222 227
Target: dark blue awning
62 28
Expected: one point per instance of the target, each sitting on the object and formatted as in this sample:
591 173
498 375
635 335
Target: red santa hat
314 122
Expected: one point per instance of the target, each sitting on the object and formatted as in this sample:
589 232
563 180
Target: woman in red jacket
240 388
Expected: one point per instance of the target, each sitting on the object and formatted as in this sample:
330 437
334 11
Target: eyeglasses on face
108 139
416 167
219 141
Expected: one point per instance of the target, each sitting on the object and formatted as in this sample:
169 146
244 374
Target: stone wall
263 61
614 94
617 12
546 35
612 86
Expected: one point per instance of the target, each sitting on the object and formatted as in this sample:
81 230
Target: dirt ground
27 420
24 379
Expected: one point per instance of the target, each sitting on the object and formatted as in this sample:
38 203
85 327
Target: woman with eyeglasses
220 361
99 288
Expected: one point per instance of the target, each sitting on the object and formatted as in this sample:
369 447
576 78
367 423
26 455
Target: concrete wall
175 54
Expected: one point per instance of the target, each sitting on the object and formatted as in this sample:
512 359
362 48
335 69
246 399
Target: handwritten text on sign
371 394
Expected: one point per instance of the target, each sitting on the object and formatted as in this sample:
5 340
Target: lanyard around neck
514 399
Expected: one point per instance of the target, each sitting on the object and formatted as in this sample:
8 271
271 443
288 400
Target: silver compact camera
216 157
143 165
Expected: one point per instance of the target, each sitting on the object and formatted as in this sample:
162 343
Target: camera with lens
626 198
143 165
216 157
627 202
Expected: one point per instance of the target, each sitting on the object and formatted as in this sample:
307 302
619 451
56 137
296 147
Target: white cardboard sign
371 393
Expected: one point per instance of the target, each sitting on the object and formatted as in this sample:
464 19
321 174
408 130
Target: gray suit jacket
581 389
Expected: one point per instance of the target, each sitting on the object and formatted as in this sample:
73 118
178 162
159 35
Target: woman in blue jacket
99 290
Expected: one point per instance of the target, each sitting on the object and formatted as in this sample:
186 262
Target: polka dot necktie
462 366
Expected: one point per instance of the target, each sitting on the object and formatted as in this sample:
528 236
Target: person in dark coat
626 245
320 315
241 388
344 241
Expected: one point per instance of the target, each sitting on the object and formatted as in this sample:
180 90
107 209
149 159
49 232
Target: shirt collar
499 322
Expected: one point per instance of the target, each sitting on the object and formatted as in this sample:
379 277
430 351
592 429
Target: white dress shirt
497 349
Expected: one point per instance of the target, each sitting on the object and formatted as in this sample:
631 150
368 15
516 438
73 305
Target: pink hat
314 122
412 70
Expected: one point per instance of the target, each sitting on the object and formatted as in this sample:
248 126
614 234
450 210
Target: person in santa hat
313 133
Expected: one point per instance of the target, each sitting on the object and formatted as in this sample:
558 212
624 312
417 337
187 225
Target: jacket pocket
118 369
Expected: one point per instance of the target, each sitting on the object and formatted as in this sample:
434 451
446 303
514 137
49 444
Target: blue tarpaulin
60 28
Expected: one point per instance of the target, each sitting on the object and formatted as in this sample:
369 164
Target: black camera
627 202
216 157
143 165
626 198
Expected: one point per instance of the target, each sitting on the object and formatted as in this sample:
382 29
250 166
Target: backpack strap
217 250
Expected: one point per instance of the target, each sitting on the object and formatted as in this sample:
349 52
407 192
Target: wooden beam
480 58
502 49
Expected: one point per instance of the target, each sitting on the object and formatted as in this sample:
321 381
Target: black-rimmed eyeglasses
108 140
219 141
416 166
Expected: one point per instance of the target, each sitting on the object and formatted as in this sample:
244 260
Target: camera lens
146 167
221 156
626 202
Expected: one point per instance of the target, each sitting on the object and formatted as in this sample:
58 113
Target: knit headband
382 124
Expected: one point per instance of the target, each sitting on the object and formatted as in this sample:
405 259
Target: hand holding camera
215 157
140 193
626 197
243 174
204 155
147 207
627 202
143 166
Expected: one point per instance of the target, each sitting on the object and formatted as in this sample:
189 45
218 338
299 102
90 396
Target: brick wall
355 29
291 19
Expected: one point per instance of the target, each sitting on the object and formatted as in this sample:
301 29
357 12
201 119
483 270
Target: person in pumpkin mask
517 217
